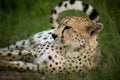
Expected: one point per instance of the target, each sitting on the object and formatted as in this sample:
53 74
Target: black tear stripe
85 7
93 14
63 30
62 33
66 27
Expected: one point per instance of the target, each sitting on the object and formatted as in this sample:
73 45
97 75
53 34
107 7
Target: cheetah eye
67 27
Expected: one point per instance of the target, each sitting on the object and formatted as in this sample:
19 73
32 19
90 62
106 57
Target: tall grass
23 18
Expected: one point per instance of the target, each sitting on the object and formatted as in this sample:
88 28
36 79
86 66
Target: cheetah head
76 31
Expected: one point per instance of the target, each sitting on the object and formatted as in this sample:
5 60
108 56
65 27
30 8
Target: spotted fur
72 47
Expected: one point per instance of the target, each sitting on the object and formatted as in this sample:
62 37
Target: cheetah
73 46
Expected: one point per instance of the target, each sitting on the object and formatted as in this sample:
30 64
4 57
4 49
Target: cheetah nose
54 36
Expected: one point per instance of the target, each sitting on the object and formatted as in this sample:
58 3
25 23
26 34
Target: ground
21 19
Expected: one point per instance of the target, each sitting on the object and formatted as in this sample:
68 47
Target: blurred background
19 19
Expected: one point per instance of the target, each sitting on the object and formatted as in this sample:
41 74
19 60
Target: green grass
23 18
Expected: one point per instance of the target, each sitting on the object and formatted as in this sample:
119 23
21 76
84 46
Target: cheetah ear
96 28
